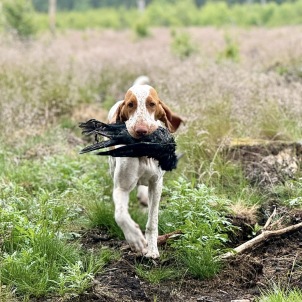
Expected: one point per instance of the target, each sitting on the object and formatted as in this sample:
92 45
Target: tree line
78 5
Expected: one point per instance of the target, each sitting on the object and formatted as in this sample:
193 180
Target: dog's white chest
149 170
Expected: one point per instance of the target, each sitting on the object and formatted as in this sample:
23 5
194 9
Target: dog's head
142 110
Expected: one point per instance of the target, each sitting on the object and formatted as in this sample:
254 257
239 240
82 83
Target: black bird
159 145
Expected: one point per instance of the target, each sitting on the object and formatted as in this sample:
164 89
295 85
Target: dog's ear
120 114
171 120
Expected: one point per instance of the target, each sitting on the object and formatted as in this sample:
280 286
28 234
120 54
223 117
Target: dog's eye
152 104
130 105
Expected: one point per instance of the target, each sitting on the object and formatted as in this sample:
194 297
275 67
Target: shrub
181 13
231 50
198 213
215 14
141 29
182 44
19 18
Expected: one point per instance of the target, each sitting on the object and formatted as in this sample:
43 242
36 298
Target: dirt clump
269 163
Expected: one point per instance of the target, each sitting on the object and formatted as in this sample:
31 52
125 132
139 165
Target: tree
52 7
141 5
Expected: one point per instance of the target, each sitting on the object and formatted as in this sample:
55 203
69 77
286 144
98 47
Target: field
240 93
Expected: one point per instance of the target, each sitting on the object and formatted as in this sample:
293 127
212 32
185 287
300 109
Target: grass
41 197
289 193
159 274
281 295
101 214
49 193
36 257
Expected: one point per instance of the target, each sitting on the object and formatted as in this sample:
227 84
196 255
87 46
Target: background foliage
99 14
41 5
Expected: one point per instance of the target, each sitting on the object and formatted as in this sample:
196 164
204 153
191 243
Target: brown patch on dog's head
163 113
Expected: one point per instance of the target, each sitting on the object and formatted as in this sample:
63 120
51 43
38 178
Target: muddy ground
245 276
278 261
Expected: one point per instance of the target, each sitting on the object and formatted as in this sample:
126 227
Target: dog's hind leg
143 195
155 189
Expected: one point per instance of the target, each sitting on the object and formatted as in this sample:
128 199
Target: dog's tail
142 80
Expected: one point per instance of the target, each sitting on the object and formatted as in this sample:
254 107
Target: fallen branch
268 222
162 239
261 238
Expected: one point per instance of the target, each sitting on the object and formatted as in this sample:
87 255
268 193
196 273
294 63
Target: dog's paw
136 240
152 254
152 250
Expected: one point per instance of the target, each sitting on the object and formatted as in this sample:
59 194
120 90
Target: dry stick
261 238
277 222
162 239
268 222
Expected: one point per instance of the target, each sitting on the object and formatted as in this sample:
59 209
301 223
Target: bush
215 14
141 29
182 45
198 213
231 50
18 15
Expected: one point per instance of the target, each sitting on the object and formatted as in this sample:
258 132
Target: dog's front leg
155 189
123 185
131 230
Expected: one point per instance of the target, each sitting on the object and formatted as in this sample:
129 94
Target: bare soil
245 276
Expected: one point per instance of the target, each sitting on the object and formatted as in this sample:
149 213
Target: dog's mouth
141 131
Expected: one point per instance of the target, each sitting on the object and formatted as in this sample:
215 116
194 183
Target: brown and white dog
143 112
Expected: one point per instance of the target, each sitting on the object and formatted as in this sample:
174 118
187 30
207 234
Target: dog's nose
141 130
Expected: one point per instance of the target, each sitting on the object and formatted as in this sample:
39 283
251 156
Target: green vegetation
280 295
182 45
290 193
39 253
18 18
156 275
184 13
231 51
199 214
141 29
157 13
50 196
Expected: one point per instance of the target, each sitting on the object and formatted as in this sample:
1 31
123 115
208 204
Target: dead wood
162 239
258 240
269 221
